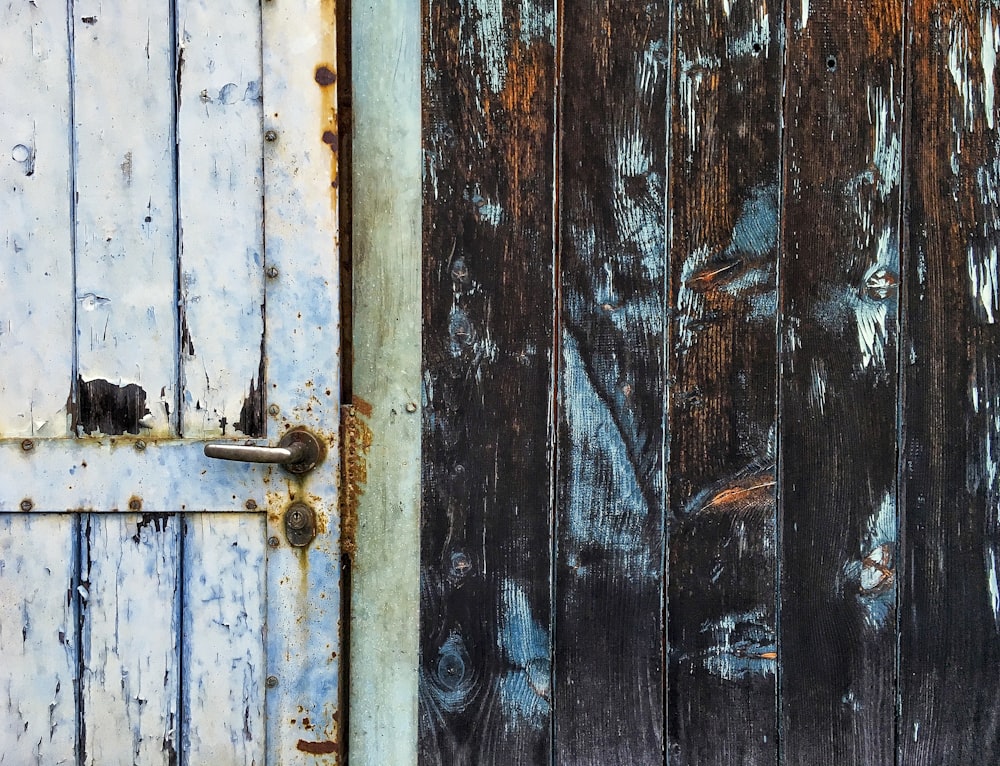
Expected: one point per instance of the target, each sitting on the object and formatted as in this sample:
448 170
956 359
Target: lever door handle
298 452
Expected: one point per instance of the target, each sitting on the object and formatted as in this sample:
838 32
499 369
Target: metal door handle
298 451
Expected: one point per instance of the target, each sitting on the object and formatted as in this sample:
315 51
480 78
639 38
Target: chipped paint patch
744 645
525 688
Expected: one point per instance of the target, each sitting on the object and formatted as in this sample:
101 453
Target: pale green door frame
386 208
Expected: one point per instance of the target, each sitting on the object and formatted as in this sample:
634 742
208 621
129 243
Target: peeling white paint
958 65
485 42
988 57
886 147
537 22
804 19
37 289
982 270
756 40
693 71
991 583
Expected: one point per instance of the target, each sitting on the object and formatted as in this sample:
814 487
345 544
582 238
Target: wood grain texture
724 202
38 640
485 668
130 580
222 653
609 638
125 249
36 281
949 602
837 435
219 198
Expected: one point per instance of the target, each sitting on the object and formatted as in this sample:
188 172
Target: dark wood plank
609 643
725 172
949 608
838 393
489 110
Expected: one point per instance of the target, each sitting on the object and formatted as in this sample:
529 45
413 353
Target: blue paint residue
524 644
606 507
452 679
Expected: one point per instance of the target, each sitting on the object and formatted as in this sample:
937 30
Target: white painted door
168 238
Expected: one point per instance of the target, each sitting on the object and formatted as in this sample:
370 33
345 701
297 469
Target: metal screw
411 407
272 272
140 445
271 682
270 135
27 505
251 505
135 504
274 542
274 409
27 445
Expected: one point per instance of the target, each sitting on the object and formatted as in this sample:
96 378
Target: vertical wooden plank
609 633
485 661
220 192
125 218
36 282
130 617
38 640
303 376
950 607
385 61
725 173
837 440
223 639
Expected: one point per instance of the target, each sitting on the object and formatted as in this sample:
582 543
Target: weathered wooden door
168 187
712 381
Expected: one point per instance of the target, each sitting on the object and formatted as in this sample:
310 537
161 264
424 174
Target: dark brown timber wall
711 364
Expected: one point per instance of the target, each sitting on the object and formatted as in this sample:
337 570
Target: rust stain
325 77
354 466
317 748
365 408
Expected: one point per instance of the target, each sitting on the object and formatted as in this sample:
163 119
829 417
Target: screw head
27 505
135 504
273 541
273 409
270 135
27 445
140 445
271 682
411 407
272 272
251 505
296 519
